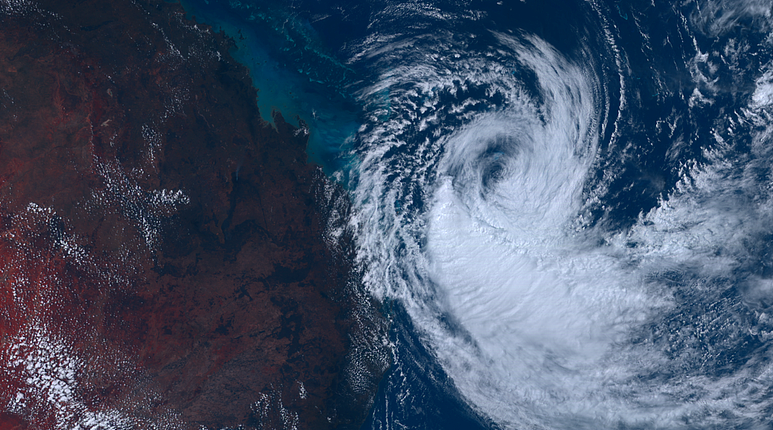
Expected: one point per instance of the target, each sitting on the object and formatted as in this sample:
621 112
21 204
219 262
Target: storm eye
492 163
493 172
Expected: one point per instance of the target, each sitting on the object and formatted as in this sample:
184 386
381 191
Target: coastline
166 239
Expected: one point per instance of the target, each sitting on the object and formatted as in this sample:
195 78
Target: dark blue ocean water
669 121
293 58
295 71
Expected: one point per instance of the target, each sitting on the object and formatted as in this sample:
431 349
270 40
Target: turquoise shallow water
564 205
296 73
293 73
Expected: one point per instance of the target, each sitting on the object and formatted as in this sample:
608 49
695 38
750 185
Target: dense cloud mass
547 215
579 234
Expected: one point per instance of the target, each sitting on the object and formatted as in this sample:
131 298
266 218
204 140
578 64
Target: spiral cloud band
489 190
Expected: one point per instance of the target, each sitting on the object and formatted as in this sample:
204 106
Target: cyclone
575 217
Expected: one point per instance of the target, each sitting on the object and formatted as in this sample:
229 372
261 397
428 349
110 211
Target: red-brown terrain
162 262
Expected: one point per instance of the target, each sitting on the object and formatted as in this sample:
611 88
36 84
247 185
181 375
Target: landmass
166 256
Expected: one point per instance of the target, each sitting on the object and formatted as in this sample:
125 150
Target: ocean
565 207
